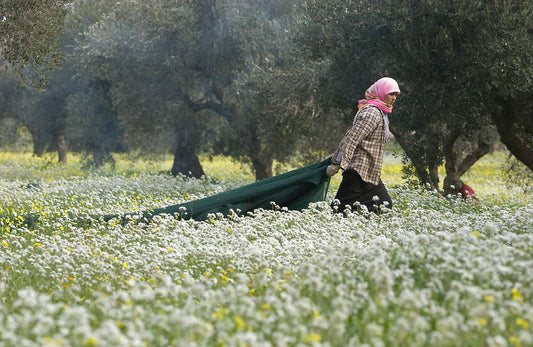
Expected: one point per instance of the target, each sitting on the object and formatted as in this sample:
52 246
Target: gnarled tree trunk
186 161
38 145
514 122
261 159
459 159
426 172
262 166
61 149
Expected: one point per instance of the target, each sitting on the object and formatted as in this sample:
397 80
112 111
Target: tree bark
186 162
456 164
38 142
433 170
261 159
262 166
99 157
61 149
515 126
426 173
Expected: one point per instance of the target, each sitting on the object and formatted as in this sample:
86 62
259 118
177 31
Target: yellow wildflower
489 298
239 323
224 279
517 296
522 323
220 314
91 341
312 338
266 306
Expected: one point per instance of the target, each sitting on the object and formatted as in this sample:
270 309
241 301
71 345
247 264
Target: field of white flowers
435 272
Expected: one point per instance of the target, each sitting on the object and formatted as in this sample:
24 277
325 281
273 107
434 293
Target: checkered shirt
362 147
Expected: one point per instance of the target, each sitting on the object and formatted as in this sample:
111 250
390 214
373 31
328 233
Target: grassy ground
434 272
485 176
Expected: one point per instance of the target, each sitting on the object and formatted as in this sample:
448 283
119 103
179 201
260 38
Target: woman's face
389 99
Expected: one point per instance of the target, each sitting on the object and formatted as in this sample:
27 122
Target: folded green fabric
294 190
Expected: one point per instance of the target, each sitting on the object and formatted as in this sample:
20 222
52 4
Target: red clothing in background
467 192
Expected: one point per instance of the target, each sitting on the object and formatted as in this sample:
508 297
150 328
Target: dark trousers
353 189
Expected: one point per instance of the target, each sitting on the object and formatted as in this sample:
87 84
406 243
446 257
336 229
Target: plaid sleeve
365 121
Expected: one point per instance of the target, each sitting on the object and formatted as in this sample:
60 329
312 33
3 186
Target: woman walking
360 153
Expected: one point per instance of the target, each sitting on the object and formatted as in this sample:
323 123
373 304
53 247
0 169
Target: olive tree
452 65
198 70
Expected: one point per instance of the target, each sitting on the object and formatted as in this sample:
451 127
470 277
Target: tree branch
227 112
505 122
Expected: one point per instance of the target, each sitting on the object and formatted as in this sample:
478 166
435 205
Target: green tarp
295 190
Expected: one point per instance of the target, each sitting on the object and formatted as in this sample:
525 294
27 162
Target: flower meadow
435 271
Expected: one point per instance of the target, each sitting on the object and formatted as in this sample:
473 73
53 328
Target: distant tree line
268 80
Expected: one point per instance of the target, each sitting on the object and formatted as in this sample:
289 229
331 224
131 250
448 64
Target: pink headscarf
376 93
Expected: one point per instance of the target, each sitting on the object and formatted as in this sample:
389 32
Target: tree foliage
274 79
440 52
30 37
199 70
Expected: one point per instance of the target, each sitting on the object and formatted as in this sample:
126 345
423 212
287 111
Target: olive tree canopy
30 36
